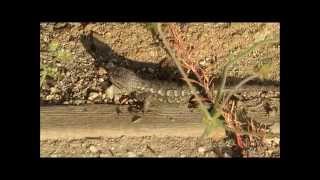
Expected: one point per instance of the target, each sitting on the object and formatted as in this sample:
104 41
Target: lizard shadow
103 54
165 70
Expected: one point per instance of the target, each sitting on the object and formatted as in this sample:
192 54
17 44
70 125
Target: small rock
201 150
84 145
183 156
108 34
93 96
226 155
54 155
54 90
130 101
202 63
102 71
65 102
101 80
50 97
131 154
93 149
60 25
104 155
75 24
78 102
68 74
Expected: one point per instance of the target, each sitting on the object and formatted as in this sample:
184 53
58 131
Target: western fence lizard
149 92
261 104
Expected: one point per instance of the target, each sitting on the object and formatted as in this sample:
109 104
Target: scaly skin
160 91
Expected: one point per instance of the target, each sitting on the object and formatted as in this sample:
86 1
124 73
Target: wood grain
103 120
64 121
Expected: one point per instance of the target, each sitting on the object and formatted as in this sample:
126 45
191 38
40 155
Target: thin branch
232 59
237 87
177 62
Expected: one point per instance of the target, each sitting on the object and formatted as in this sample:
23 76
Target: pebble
93 96
60 25
101 80
83 145
54 90
93 149
130 101
75 24
65 102
50 97
201 150
102 71
203 63
183 156
226 155
78 102
131 154
54 155
104 155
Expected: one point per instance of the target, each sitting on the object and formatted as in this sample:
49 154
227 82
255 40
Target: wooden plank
62 121
103 120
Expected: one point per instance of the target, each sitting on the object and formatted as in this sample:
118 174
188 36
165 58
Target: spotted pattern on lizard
128 82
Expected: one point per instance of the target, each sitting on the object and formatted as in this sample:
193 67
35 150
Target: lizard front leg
142 101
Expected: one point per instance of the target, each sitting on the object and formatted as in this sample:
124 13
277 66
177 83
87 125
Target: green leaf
63 55
53 46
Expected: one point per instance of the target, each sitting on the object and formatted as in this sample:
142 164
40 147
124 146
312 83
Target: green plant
46 71
63 55
53 46
214 119
60 53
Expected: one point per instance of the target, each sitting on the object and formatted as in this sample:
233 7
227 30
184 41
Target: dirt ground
71 77
150 146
